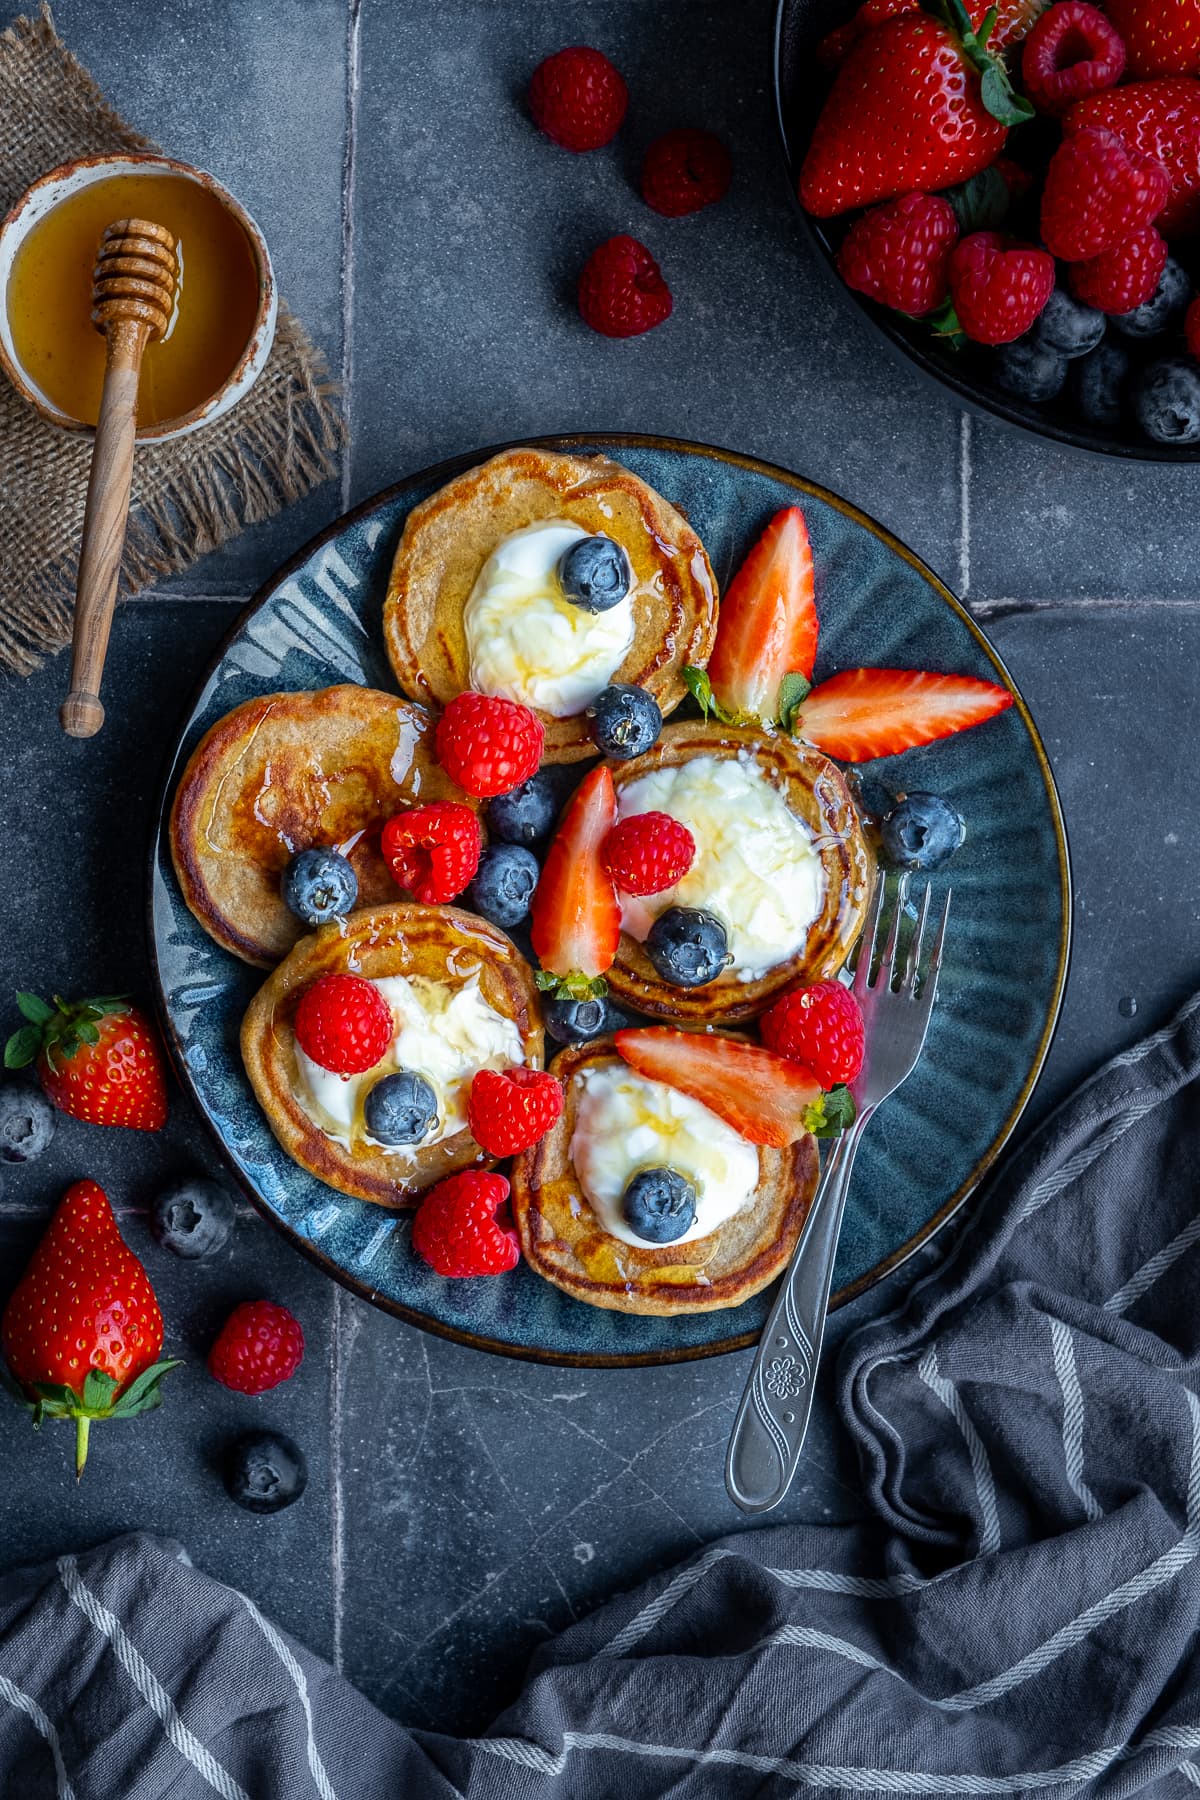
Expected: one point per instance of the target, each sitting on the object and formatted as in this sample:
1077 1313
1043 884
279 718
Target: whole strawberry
577 98
621 289
1120 279
1097 191
1013 20
1072 51
684 171
821 1027
510 1110
82 1331
98 1060
459 1229
1161 118
259 1346
998 287
1162 37
919 103
899 253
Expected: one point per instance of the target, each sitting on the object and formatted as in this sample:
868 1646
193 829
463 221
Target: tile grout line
349 171
337 1560
1004 606
964 505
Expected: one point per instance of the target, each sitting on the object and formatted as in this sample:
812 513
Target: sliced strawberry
767 626
766 1098
576 923
863 713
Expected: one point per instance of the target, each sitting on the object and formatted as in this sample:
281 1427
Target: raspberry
621 289
820 1026
457 1228
648 853
1123 277
1097 191
258 1346
899 253
510 1110
489 746
684 171
1191 329
998 286
1072 51
343 1023
433 851
578 99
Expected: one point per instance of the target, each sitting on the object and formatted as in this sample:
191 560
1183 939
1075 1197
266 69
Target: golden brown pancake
450 536
280 774
438 942
564 1241
815 789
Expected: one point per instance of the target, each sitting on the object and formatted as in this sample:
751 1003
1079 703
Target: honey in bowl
49 297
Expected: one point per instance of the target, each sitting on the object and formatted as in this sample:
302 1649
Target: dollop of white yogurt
443 1032
526 642
756 866
625 1123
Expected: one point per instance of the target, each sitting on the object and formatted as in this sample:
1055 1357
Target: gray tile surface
460 1508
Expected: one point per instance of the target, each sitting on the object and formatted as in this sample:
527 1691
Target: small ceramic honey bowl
223 326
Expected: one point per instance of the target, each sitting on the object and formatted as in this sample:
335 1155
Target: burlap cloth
189 495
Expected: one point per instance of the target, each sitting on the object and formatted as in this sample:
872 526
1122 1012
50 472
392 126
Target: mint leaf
794 690
22 1047
35 1010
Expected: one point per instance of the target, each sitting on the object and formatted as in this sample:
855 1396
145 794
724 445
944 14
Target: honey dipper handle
104 519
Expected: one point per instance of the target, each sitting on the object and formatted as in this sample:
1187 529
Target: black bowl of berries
1011 192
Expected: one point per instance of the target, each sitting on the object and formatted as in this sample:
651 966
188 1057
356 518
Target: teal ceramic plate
319 622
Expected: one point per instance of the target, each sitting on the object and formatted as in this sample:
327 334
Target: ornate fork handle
768 1433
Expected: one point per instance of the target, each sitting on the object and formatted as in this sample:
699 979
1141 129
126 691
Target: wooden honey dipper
133 298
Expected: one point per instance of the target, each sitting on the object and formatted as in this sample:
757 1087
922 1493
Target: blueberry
922 831
27 1122
688 947
1166 401
400 1109
624 721
1165 307
319 885
594 573
504 883
265 1471
1029 369
1067 325
574 1021
526 813
192 1218
1098 383
659 1205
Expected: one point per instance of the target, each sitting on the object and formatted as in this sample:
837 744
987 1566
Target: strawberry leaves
570 987
995 88
699 687
794 690
58 1030
829 1116
101 1397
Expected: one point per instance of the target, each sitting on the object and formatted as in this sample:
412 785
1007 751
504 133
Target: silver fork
768 1433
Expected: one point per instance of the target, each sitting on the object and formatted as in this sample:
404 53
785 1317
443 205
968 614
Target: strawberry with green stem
766 1098
919 103
98 1060
82 1333
575 923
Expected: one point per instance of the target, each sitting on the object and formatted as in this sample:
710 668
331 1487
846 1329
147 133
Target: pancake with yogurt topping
781 860
471 598
462 998
751 1200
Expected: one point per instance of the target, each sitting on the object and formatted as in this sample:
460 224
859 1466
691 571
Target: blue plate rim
442 472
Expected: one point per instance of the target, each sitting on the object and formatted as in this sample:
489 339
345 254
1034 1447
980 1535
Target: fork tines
912 976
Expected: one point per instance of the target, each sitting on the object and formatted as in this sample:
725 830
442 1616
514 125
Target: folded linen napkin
1019 1617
